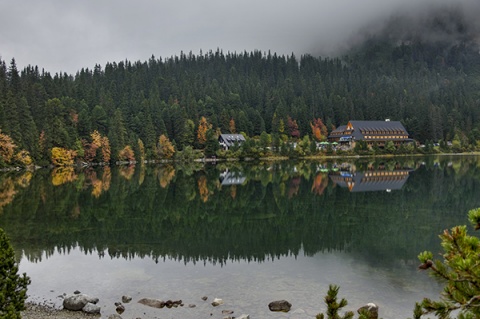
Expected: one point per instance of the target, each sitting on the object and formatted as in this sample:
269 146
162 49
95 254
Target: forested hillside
431 87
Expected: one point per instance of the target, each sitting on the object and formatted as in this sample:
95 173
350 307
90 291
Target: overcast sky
66 35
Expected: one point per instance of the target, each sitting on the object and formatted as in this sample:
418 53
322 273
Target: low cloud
68 35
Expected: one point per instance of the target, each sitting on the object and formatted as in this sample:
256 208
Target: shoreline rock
77 302
280 306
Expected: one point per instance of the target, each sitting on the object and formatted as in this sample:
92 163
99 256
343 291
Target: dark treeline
431 88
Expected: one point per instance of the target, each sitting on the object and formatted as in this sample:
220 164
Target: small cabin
226 141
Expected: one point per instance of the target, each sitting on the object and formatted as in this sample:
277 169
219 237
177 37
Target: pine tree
334 306
13 287
458 270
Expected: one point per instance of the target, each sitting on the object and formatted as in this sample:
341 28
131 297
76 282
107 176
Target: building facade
371 132
226 141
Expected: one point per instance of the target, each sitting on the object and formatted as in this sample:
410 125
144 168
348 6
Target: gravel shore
34 311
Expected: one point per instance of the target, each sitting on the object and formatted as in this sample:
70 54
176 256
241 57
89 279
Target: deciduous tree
319 130
7 148
231 126
202 129
126 154
293 127
165 147
62 156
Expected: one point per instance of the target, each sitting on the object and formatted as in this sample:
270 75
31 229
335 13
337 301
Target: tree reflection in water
240 212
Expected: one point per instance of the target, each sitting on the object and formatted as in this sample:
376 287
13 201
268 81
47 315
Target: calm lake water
248 234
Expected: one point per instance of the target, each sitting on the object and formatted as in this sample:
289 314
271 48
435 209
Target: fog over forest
67 36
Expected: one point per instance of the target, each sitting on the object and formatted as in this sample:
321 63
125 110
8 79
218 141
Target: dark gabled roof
378 125
360 127
231 139
339 129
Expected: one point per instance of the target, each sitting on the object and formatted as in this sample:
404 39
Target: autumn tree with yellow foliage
62 156
126 154
203 127
8 155
165 147
7 148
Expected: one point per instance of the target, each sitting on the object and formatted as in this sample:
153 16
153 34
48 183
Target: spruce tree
13 287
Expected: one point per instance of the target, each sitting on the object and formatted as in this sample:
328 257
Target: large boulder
280 305
371 310
77 302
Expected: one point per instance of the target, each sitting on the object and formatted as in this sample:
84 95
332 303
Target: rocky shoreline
40 311
46 311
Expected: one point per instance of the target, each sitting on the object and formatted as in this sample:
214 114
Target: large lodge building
372 132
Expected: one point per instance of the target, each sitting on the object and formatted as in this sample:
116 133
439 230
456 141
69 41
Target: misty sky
66 35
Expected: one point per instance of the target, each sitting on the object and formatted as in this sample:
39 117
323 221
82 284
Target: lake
248 233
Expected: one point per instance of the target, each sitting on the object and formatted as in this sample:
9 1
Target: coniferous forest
145 109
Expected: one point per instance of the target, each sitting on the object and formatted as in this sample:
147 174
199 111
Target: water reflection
228 178
371 180
212 214
247 233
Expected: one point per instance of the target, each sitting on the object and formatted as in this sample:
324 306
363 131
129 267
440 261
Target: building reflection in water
228 178
371 180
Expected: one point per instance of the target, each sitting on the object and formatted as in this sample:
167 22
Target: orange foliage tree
106 151
7 147
165 147
126 154
203 127
98 142
96 138
231 126
90 151
62 156
319 130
